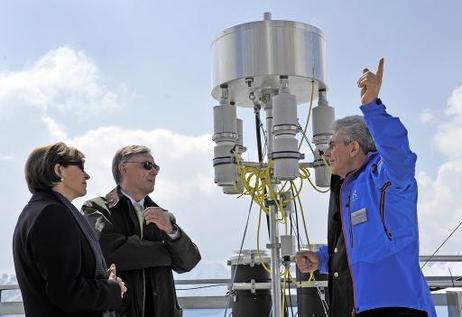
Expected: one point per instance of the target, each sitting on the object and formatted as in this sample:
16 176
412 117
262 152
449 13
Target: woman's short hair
40 165
125 154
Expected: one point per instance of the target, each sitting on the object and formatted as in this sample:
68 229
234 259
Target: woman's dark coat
55 264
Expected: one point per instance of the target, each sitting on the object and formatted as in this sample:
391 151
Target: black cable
452 278
258 125
239 256
258 134
290 298
441 245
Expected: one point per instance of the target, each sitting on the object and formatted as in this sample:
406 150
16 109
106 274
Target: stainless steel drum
251 57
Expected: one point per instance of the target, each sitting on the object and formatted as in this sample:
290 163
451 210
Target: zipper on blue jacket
382 208
349 221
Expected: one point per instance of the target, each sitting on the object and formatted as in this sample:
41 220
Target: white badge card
359 216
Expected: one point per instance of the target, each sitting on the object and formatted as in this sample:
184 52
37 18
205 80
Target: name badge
359 216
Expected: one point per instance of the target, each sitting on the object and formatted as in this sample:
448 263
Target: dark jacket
55 265
145 264
340 287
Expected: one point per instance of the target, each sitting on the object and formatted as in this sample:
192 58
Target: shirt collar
139 202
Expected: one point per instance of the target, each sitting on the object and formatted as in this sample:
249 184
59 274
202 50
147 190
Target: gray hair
123 155
353 128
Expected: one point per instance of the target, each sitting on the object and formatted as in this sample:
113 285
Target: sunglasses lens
148 165
79 164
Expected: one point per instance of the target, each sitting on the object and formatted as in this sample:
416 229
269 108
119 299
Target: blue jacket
378 208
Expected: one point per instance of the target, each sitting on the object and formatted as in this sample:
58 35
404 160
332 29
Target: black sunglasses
147 165
79 164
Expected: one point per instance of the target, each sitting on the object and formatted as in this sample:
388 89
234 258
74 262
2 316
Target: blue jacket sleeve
323 259
391 140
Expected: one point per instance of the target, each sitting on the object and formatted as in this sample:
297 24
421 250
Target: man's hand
307 261
113 276
370 83
160 218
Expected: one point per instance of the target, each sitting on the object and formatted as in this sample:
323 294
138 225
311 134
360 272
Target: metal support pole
275 264
274 246
454 300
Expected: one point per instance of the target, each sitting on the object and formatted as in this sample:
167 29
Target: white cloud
52 98
450 131
440 202
55 130
43 102
426 116
62 80
185 160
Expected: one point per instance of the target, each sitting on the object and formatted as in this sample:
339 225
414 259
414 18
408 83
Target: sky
99 75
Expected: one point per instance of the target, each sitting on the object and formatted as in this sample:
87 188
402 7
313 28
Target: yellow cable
308 116
258 244
317 189
301 284
304 222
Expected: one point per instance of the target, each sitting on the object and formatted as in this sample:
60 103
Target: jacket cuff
323 260
176 233
372 107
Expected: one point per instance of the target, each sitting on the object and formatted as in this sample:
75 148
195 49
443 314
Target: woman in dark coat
58 261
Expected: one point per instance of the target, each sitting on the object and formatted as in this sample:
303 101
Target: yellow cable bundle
258 244
257 184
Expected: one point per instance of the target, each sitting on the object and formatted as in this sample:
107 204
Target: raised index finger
380 69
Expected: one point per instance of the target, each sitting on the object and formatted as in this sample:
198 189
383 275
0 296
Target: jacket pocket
382 209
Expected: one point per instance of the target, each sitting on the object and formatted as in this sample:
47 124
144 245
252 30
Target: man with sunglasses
140 238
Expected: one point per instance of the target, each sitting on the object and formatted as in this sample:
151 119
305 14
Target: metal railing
452 299
220 302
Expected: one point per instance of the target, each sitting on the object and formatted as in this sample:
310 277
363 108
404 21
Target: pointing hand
370 83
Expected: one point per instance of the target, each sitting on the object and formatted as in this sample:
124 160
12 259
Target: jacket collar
116 195
366 161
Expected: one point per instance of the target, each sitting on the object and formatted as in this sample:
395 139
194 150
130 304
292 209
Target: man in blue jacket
372 255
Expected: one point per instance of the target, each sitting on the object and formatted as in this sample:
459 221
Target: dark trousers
393 312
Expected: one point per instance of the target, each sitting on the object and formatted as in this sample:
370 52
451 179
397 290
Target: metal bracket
273 245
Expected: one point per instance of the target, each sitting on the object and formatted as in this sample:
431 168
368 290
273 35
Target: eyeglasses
333 143
147 165
79 164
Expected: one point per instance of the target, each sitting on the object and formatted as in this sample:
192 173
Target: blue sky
102 74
